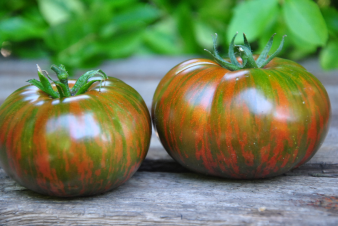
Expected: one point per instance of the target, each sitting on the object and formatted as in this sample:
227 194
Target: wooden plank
182 199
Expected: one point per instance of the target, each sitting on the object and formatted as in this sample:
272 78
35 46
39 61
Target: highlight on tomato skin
246 117
89 142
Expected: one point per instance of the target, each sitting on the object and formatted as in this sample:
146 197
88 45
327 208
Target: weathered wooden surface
163 192
185 198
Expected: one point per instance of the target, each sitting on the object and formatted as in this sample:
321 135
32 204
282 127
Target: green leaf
186 27
328 56
203 33
302 44
58 11
17 5
251 18
123 45
161 38
215 13
298 48
72 43
118 3
33 15
32 49
136 16
330 15
275 26
73 35
305 21
165 5
19 29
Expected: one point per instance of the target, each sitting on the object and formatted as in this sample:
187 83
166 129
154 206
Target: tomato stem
81 85
62 84
245 53
219 59
44 84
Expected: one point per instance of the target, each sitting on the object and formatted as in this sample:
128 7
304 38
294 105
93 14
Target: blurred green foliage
83 33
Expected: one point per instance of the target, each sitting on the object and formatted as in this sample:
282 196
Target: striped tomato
255 117
87 139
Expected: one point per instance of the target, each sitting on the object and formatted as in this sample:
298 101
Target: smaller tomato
88 137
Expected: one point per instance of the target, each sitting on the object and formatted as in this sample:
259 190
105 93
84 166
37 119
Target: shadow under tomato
24 192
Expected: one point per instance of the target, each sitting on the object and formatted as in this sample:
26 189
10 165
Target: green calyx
245 53
80 86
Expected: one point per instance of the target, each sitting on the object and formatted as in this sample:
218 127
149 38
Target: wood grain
181 199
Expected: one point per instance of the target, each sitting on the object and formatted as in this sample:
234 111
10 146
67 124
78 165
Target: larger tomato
257 118
77 145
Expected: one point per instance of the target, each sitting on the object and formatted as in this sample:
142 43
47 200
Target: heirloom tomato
253 117
87 138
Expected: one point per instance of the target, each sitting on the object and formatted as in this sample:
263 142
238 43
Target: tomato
77 145
243 121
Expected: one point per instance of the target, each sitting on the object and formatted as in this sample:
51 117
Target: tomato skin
75 146
245 124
